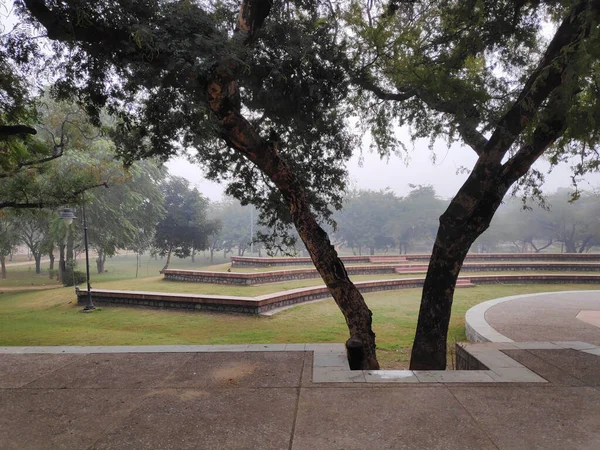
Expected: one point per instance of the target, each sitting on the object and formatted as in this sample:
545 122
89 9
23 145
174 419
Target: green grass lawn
52 318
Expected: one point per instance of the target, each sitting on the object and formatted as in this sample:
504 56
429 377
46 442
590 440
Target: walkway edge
479 330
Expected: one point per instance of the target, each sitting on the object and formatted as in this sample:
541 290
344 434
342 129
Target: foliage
73 278
155 84
186 225
381 220
55 167
125 215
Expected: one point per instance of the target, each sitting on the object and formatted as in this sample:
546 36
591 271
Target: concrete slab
248 370
133 371
548 371
18 370
208 419
549 417
61 419
423 418
578 364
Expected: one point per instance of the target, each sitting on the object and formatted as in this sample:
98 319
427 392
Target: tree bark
38 262
100 260
51 257
570 246
3 265
168 259
62 264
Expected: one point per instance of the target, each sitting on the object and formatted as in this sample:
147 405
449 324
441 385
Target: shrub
73 278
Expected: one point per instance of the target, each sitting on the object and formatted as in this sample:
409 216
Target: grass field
52 318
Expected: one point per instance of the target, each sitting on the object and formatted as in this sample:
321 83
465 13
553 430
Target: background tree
364 219
34 232
186 225
416 217
576 224
125 215
9 238
234 232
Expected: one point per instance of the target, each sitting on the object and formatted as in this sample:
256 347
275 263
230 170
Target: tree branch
12 130
47 204
60 29
34 162
545 78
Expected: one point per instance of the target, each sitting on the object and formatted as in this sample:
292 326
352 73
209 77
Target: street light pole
251 230
90 305
68 216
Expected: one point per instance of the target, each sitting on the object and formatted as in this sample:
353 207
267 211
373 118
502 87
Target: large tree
253 97
125 216
365 219
185 226
9 238
480 72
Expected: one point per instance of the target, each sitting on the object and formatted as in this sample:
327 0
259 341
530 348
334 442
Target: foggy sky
414 167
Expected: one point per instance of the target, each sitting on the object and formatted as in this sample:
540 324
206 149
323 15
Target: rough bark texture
242 137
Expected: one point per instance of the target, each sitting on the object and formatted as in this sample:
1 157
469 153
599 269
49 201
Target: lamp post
68 216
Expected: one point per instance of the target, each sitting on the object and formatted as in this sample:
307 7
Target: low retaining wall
265 303
254 261
236 278
297 261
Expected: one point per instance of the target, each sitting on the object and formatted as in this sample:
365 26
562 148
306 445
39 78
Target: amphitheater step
464 282
411 268
387 259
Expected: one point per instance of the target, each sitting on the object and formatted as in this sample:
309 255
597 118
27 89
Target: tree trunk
137 263
62 264
3 265
100 260
241 136
168 259
51 257
212 251
570 246
38 262
70 247
193 255
372 251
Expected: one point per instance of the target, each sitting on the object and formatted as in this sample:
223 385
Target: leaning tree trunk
242 137
168 259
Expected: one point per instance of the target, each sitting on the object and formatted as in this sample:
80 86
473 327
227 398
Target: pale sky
398 173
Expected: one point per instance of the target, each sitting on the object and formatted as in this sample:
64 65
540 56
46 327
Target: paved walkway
560 316
228 398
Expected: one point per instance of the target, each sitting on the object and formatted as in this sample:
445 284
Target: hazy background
397 172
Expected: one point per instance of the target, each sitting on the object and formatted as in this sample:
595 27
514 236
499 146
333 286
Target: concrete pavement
253 398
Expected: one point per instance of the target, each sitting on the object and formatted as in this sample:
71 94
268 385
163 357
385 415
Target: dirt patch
232 373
